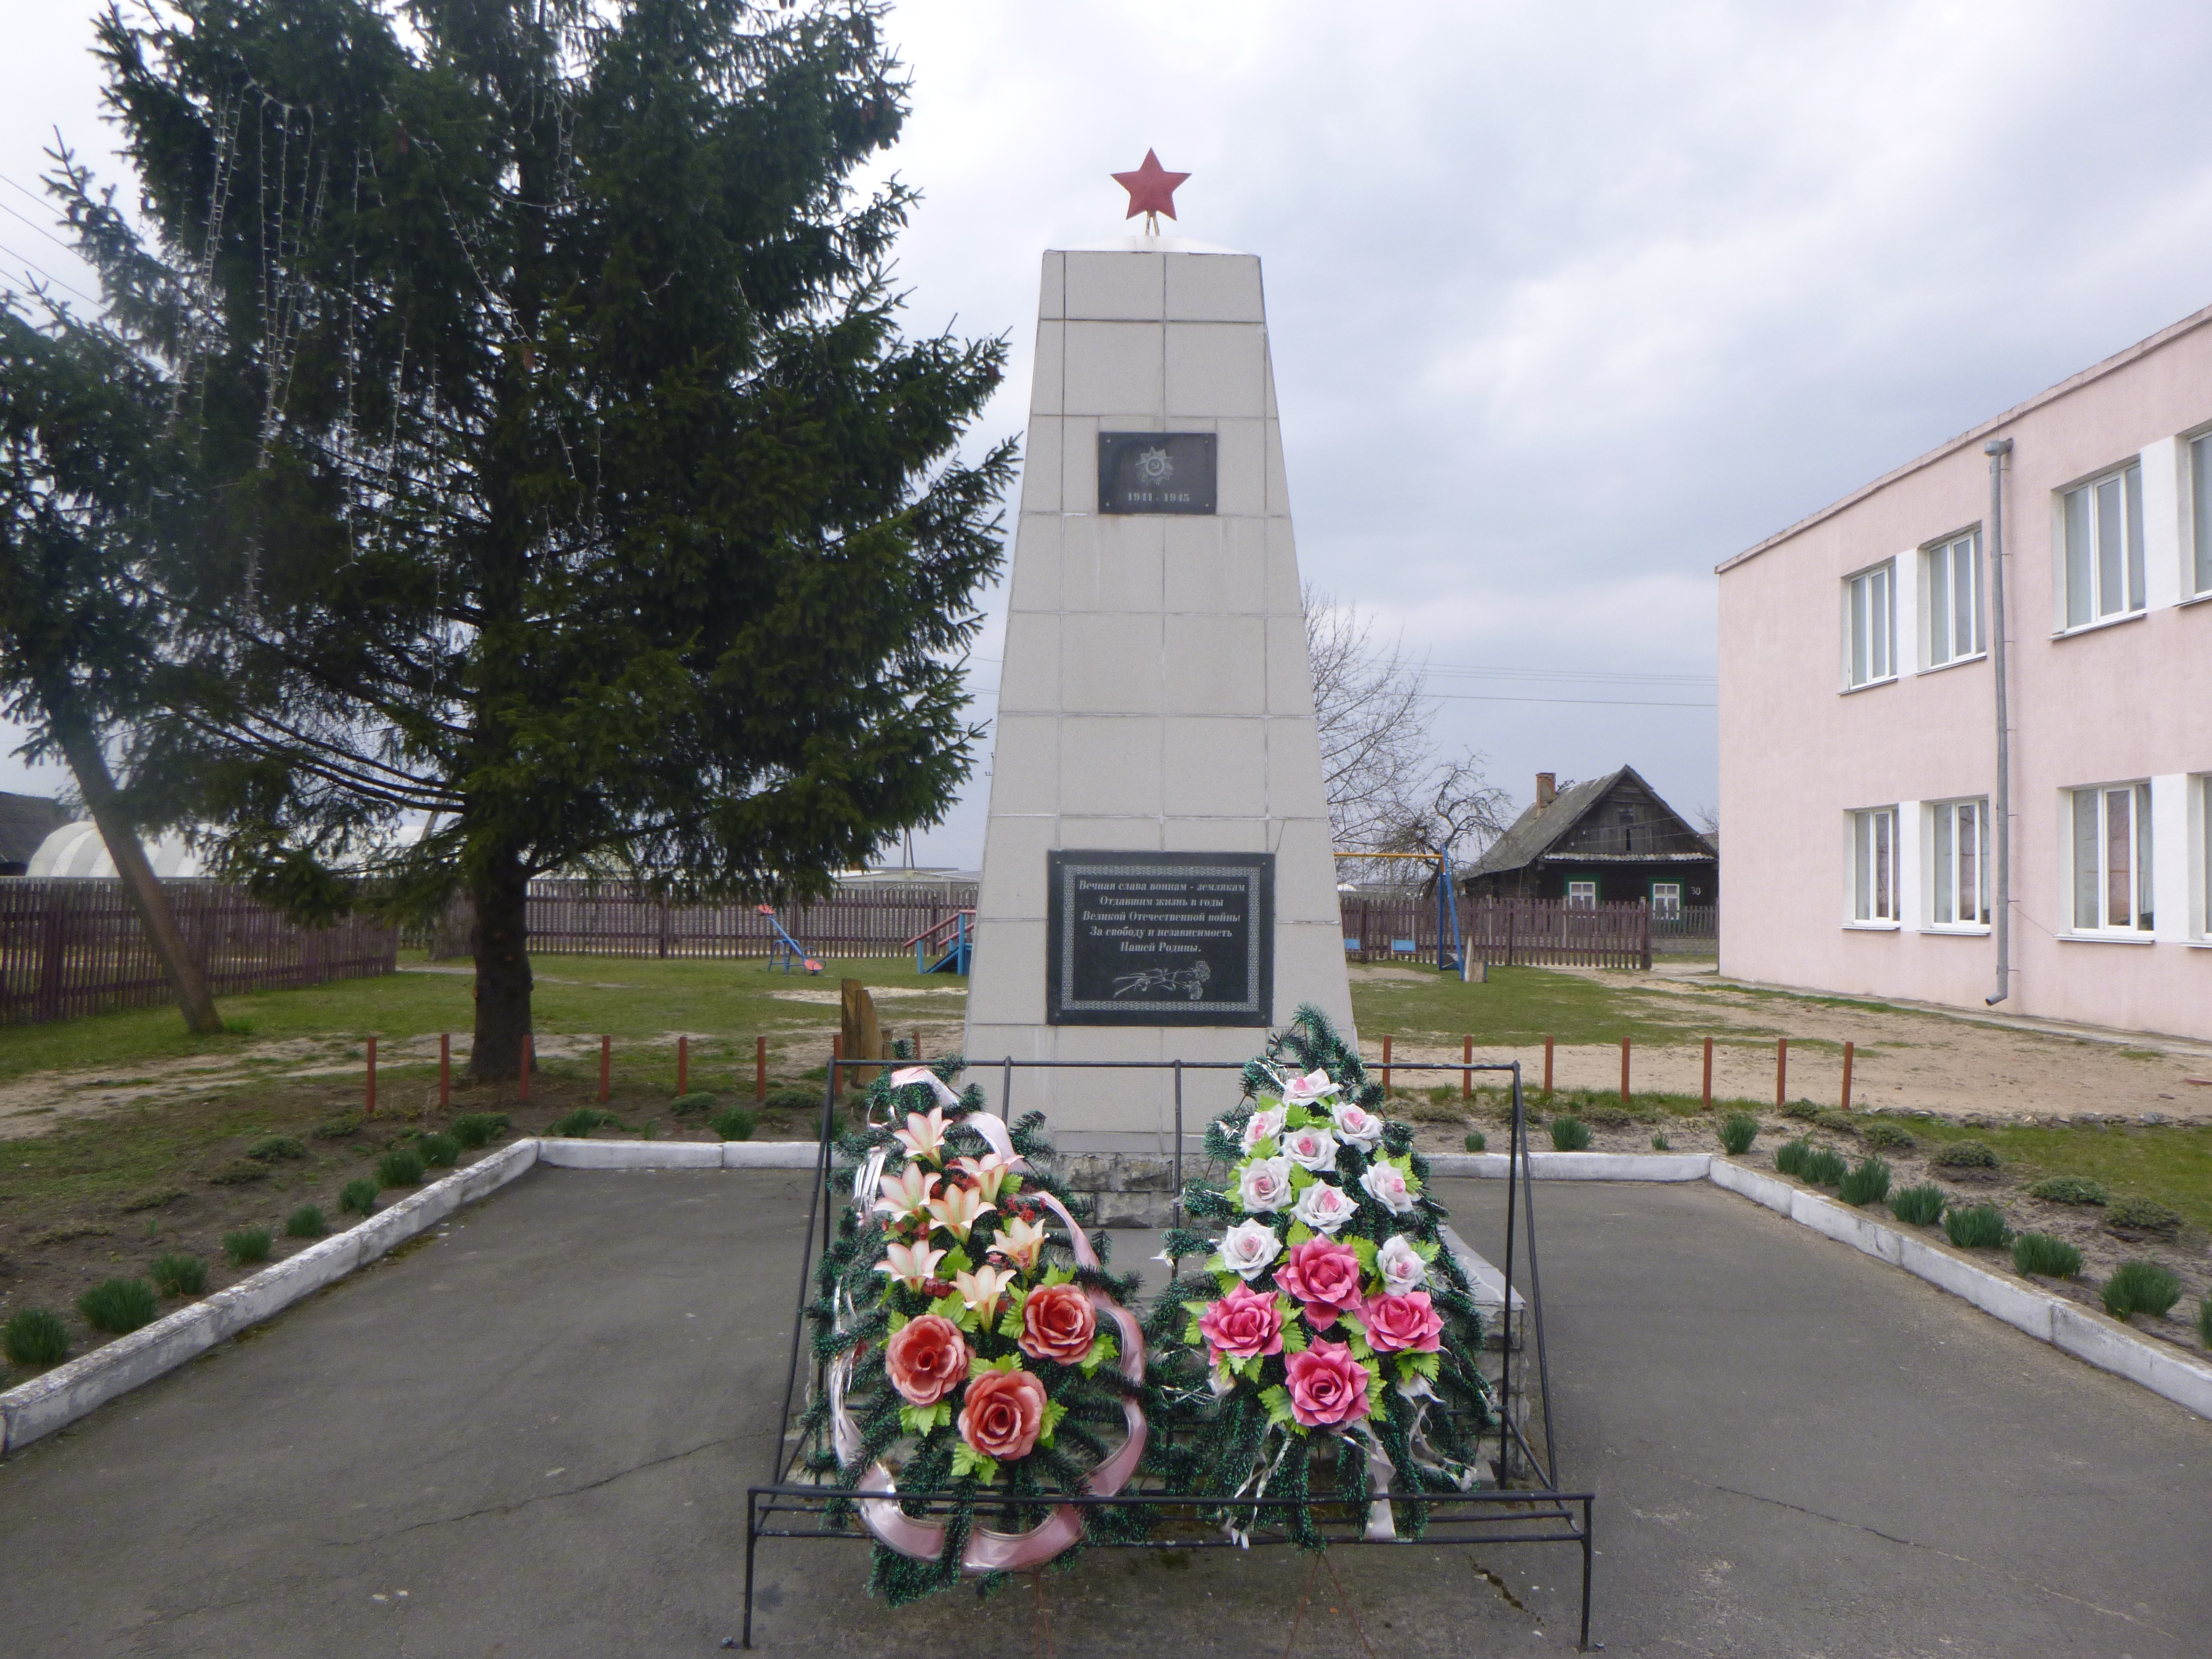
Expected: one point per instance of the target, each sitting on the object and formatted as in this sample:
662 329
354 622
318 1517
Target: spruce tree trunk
504 982
81 748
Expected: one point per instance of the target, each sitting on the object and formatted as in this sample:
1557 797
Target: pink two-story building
1966 715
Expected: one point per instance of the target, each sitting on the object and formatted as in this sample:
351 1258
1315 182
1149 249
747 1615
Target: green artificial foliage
177 1274
2140 1287
118 1306
2041 1254
538 450
1917 1206
1977 1227
305 1222
358 1197
36 1336
247 1247
1737 1131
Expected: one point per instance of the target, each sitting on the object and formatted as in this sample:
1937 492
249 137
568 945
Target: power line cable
48 274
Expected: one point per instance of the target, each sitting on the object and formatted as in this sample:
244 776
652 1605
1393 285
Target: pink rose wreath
1330 1325
973 1346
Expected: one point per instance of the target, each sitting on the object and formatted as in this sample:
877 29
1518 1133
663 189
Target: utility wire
49 275
34 225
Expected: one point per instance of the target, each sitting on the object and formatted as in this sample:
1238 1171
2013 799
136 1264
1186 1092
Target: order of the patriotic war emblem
1156 472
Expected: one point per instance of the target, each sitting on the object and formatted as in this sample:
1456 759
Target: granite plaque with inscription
1160 938
1156 472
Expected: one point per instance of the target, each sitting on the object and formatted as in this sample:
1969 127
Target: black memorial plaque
1160 938
1156 472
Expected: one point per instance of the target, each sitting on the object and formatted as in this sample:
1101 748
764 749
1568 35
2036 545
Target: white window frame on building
1582 895
1958 852
2108 860
1870 626
1951 599
2203 829
1873 867
2200 514
1666 901
2102 575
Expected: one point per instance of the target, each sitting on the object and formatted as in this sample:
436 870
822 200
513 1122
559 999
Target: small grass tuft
1867 1182
248 1246
1659 1142
2041 1254
338 1128
177 1274
239 1174
1570 1134
1803 1109
1964 1155
580 1123
358 1197
1477 1141
1790 1156
1977 1227
788 1099
305 1222
118 1306
400 1167
736 1124
1917 1206
270 1148
439 1151
475 1129
2140 1287
1835 1122
2139 1217
2069 1189
36 1336
1738 1130
1825 1167
1885 1137
696 1101
2205 1320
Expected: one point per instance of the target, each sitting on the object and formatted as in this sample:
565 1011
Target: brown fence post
1709 1074
1623 1074
522 1085
445 1070
1644 921
917 1045
1510 908
1781 1072
1386 1064
683 1065
369 1082
1848 1049
607 1063
760 1068
1547 1065
1467 1067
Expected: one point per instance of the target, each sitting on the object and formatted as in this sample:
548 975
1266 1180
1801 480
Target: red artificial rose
1003 1414
1058 1323
1241 1324
1328 1385
927 1359
1402 1324
1324 1275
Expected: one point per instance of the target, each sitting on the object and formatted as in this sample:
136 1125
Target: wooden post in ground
445 1069
683 1065
917 1045
1386 1064
1467 1069
606 1064
1781 1072
1548 1066
1709 1074
369 1081
522 1081
1623 1075
837 1054
760 1068
1848 1049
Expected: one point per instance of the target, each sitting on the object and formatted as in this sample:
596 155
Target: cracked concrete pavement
532 1436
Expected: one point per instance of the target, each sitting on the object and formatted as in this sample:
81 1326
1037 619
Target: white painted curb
1576 1166
679 1154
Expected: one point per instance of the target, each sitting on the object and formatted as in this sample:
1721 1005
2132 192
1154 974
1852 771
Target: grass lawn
1519 1004
2171 1163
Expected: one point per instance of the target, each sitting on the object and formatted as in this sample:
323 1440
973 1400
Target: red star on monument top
1151 188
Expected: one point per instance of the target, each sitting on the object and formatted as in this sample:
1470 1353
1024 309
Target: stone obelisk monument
1157 877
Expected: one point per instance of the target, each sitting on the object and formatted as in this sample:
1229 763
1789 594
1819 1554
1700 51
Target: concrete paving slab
539 1424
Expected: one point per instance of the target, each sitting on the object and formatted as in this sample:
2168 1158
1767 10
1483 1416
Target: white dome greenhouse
77 849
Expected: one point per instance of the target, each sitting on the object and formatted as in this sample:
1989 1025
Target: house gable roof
26 821
1539 830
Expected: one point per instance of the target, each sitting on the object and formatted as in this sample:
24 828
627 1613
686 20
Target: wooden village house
1608 840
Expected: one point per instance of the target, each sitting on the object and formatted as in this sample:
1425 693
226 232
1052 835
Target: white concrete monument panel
1155 697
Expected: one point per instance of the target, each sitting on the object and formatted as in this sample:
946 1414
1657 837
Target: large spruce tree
559 467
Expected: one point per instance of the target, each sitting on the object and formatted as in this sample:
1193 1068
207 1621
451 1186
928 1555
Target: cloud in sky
1566 305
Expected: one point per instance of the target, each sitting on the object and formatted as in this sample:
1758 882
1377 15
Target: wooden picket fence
1503 931
587 919
72 947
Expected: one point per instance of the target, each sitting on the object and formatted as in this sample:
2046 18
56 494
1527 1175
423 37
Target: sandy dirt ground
1905 1060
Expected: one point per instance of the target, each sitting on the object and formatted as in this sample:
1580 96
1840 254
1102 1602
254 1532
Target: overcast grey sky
1567 303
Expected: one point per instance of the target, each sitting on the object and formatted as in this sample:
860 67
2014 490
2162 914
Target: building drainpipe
1997 449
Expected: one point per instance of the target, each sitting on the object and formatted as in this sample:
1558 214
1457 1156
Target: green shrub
246 1246
35 1336
2039 1252
1886 1137
1804 1110
475 1129
118 1306
177 1274
1790 1156
1964 1155
1917 1206
736 1124
1867 1183
270 1148
1659 1142
1978 1227
1825 1166
788 1099
2140 1287
2069 1189
1477 1141
1738 1131
2132 1216
338 1128
1570 1134
239 1173
1840 1123
305 1222
696 1101
439 1151
358 1197
580 1123
400 1167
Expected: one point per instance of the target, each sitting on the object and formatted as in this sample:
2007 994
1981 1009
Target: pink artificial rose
927 1359
1402 1324
1328 1385
1058 1323
1241 1324
1003 1414
1325 1276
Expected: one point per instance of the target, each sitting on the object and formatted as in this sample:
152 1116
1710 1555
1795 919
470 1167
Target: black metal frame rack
788 1505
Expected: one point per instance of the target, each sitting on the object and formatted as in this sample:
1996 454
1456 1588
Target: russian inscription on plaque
1160 938
1156 472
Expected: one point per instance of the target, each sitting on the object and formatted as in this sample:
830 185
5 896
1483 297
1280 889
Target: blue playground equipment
1449 958
788 950
952 939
